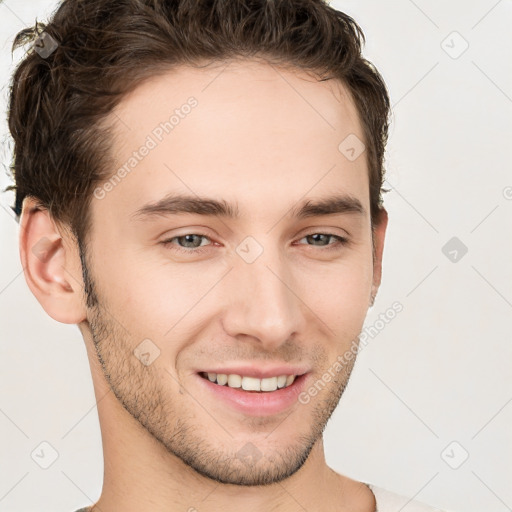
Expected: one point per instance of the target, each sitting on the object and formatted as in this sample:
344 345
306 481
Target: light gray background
438 373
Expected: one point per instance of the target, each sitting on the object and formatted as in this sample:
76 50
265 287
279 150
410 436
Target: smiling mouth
250 384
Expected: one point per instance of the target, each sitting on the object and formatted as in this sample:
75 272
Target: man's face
266 290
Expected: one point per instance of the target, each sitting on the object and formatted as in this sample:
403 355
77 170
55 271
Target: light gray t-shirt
387 501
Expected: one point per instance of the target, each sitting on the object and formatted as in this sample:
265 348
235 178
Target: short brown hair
105 48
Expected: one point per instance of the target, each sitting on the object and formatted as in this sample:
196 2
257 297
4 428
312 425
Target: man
200 192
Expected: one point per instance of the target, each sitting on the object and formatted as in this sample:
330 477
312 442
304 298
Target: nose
263 302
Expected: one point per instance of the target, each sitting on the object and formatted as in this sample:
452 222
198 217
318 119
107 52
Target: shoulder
388 501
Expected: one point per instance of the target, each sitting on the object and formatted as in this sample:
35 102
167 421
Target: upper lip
259 372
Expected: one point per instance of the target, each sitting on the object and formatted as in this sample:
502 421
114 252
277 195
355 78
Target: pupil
189 239
316 235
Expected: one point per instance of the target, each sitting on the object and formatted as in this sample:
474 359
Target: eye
325 237
190 241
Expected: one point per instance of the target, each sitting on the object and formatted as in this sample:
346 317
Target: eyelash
341 241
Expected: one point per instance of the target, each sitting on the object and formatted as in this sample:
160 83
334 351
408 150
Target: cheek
163 302
344 302
340 296
346 282
141 300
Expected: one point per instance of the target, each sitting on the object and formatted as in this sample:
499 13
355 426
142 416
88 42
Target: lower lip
264 403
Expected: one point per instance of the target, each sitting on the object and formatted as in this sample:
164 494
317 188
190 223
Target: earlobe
51 265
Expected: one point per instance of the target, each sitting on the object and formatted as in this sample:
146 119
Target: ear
51 264
379 235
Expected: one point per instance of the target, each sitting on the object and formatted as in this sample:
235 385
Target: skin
265 138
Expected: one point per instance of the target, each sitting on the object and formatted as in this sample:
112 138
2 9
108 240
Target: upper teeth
251 383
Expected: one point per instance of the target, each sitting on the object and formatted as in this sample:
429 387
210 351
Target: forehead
242 130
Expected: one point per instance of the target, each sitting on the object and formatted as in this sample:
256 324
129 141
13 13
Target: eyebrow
174 204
